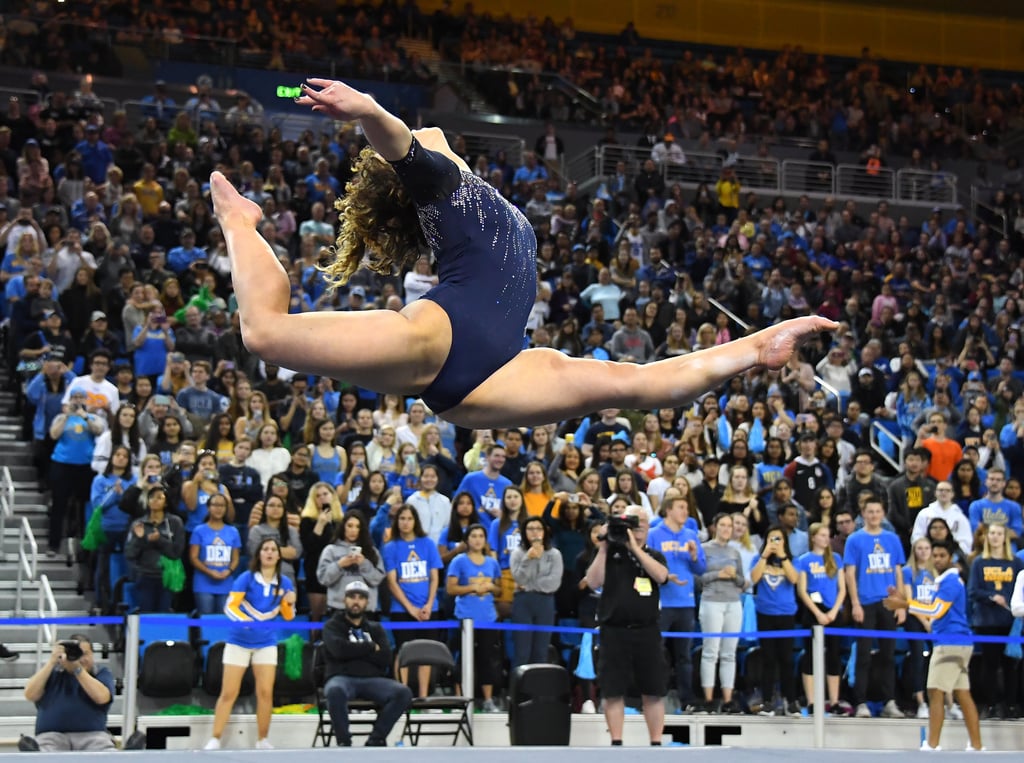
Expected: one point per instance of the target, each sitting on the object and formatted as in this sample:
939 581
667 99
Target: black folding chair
454 709
324 733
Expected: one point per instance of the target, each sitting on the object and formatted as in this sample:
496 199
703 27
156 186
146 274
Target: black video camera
618 529
72 650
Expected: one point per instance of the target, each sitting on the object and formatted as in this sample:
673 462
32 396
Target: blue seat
213 629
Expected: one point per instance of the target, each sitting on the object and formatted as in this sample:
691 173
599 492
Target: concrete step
23 473
16 457
68 602
22 638
56 571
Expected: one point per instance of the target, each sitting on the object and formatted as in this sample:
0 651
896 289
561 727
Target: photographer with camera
632 651
72 697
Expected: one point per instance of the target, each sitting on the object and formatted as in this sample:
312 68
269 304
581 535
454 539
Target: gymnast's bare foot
230 206
778 343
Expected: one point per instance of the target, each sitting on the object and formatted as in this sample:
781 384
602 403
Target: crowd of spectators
917 113
147 408
357 39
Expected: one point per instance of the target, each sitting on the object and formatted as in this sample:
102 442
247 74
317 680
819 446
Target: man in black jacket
357 659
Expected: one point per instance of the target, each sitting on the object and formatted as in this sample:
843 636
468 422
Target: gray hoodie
335 578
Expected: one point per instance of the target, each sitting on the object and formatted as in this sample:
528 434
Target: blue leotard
486 253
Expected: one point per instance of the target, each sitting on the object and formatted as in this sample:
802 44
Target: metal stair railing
47 607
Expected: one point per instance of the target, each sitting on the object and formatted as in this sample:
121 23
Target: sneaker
6 655
703 708
732 707
974 749
264 744
768 711
372 741
588 708
842 708
892 710
954 713
793 708
489 706
51 553
213 744
27 744
863 711
922 710
925 747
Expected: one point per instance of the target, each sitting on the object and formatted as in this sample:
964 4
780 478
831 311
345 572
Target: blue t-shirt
875 559
767 474
503 546
1004 512
66 708
195 518
774 594
76 443
818 581
486 493
680 564
922 585
471 606
203 403
260 597
150 357
215 552
412 562
949 609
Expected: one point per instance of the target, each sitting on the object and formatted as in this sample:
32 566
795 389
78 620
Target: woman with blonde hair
919 584
318 522
706 338
382 451
721 611
536 489
740 496
416 421
659 446
432 452
676 342
989 588
821 588
127 222
461 346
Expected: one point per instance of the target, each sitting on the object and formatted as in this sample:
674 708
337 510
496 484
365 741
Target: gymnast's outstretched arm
387 133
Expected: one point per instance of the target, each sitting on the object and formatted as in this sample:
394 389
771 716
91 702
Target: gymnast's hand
335 99
778 343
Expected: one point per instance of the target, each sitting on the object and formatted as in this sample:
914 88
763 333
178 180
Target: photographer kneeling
72 698
632 652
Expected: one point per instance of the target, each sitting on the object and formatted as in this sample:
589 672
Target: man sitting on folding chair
357 657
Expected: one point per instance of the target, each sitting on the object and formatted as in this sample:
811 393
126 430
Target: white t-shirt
99 394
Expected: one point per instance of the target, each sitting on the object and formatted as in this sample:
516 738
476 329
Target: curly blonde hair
378 222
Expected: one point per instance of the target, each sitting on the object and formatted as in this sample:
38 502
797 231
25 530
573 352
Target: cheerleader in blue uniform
259 595
460 346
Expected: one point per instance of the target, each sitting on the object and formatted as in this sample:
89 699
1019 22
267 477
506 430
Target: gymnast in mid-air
460 346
